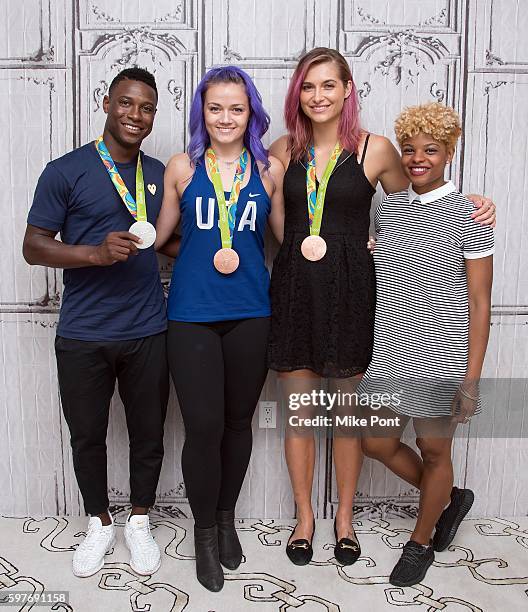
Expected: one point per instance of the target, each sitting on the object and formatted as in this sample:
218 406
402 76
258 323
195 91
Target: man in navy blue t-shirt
112 322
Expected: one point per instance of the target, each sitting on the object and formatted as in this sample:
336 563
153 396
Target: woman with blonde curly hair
434 269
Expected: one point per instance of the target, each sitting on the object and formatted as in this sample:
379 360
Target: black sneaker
413 564
451 517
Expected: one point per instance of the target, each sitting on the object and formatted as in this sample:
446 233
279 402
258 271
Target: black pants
87 374
218 370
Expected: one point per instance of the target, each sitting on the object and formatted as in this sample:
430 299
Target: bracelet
466 394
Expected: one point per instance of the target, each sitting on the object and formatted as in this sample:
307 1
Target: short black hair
134 74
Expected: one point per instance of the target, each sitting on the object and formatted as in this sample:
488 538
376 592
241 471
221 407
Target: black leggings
218 371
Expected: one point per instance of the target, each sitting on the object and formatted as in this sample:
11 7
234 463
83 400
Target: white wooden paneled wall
57 58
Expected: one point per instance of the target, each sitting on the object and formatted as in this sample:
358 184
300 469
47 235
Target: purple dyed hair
259 119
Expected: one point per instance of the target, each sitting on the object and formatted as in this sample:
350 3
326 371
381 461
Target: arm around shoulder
486 211
384 159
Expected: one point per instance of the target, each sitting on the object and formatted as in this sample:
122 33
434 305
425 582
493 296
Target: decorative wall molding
366 15
492 60
236 40
438 94
364 91
46 48
497 123
496 46
172 16
440 19
491 85
230 55
367 18
100 15
107 14
99 93
176 92
136 43
44 284
407 53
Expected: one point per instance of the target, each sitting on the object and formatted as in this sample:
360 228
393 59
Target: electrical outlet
267 415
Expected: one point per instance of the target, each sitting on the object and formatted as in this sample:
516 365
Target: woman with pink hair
323 281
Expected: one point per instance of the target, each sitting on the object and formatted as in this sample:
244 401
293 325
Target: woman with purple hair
224 190
323 282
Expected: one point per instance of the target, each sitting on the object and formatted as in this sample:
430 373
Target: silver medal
144 230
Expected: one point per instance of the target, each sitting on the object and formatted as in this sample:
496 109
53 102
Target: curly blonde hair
439 121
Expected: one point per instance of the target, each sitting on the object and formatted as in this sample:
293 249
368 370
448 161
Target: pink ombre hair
297 123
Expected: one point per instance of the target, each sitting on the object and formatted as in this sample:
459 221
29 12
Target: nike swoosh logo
253 195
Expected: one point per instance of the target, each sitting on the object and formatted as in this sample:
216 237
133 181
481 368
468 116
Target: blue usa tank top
198 292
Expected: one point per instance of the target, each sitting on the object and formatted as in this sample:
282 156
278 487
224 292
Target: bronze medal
313 248
226 261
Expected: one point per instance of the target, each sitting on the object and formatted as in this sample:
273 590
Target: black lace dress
323 311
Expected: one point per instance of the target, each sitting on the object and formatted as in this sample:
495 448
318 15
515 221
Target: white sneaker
145 556
88 559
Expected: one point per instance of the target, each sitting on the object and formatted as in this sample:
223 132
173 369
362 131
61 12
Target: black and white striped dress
422 318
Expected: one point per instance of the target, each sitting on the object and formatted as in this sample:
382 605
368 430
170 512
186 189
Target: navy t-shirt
76 197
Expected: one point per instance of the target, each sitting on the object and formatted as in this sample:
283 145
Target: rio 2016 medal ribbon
137 208
313 247
226 259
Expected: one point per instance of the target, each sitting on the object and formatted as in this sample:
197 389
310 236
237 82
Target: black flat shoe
300 552
346 551
229 549
208 569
